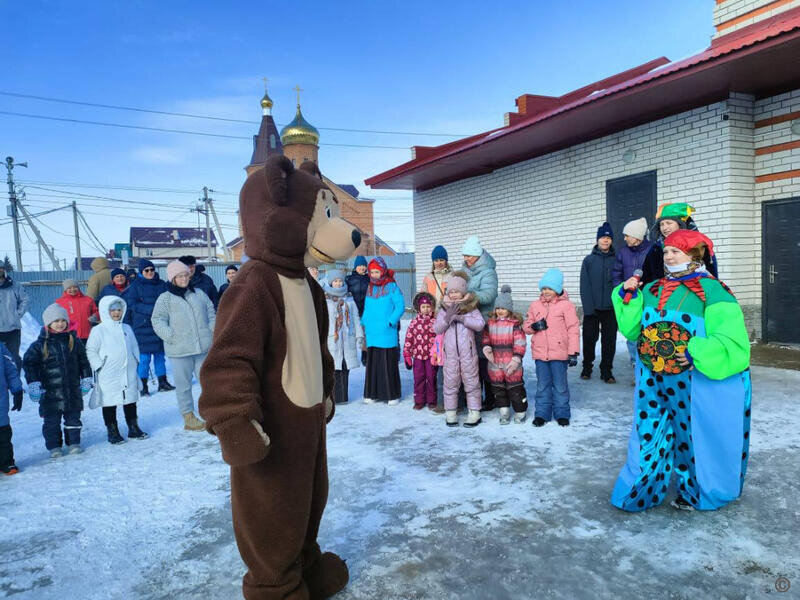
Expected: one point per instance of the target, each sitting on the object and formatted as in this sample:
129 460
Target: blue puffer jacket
9 382
382 315
628 260
111 290
483 282
141 300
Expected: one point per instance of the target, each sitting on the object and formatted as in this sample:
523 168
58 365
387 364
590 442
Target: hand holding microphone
631 286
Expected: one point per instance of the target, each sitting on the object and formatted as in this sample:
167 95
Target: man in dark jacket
598 312
357 283
13 304
144 291
200 280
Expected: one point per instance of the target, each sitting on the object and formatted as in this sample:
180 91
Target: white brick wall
544 212
730 9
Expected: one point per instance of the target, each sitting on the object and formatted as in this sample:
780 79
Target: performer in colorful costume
692 399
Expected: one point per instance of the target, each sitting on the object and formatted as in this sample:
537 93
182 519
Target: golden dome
299 131
266 101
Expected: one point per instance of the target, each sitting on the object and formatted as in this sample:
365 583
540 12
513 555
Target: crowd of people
465 344
100 345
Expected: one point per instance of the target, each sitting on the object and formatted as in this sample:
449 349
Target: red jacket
419 338
79 308
506 339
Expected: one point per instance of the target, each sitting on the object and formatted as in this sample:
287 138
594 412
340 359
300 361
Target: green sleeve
725 350
629 317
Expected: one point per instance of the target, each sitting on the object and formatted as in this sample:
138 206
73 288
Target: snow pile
418 510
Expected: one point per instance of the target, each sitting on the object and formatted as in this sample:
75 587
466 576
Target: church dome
299 131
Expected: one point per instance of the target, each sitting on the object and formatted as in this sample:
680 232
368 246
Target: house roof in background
759 59
349 188
171 237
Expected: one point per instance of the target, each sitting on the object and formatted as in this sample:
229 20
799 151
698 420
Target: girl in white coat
114 355
345 334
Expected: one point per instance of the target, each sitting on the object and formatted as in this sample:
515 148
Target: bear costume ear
276 172
311 168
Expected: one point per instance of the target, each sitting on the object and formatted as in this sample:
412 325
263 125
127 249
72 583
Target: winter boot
586 373
114 436
74 449
519 417
145 391
563 421
436 409
505 414
473 418
538 422
369 401
607 378
681 504
134 432
164 385
6 451
451 417
9 469
393 402
192 423
56 453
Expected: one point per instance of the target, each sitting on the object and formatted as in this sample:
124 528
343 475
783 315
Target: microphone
637 275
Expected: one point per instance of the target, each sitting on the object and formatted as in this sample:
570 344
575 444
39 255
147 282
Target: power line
121 187
182 131
212 118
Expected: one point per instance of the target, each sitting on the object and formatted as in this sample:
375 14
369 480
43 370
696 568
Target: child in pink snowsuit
459 320
417 351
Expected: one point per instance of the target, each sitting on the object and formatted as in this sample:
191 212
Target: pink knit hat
458 282
175 268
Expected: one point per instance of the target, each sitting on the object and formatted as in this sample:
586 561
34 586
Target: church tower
300 139
267 143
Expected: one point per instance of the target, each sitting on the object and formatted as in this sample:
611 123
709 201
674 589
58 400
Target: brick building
720 130
168 243
299 141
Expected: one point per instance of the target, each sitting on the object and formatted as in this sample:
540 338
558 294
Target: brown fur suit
267 382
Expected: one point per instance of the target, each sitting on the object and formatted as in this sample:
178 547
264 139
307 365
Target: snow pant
341 382
182 370
690 426
462 370
6 448
602 324
514 395
552 391
110 413
4 406
277 504
12 340
440 386
159 366
424 382
51 428
633 352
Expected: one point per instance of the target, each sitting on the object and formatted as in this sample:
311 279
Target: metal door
781 271
629 198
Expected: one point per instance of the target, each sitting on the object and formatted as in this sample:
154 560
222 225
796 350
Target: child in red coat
417 352
504 347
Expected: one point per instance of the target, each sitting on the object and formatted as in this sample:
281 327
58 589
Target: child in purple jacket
417 351
458 321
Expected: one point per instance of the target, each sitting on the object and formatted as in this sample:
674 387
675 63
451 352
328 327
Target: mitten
512 365
35 391
86 385
573 360
488 353
409 364
242 440
17 401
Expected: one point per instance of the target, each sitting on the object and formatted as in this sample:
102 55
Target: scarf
342 315
377 285
178 291
690 277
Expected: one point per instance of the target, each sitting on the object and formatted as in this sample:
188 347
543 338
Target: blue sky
428 67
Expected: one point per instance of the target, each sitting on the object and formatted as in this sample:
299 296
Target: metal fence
44 287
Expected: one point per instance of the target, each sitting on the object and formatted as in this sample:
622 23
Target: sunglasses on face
148 270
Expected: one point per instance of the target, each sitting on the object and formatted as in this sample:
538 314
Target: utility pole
208 222
77 237
39 246
12 198
38 235
220 235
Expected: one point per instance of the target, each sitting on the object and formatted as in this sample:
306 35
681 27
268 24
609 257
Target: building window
305 159
272 140
149 252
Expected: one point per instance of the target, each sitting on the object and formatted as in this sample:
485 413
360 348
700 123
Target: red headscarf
686 239
386 276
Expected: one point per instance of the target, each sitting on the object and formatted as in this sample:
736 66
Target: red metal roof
760 59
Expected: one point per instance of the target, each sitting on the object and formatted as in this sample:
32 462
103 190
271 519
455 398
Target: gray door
629 198
781 271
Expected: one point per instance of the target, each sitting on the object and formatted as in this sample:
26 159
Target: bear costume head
290 218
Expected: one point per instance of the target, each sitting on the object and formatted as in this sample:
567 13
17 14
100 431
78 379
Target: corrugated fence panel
404 269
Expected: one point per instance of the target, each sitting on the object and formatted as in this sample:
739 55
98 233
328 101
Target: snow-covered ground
417 509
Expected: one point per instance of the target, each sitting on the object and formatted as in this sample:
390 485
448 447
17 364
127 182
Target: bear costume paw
242 440
326 576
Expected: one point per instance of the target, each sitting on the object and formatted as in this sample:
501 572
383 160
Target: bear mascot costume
268 378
